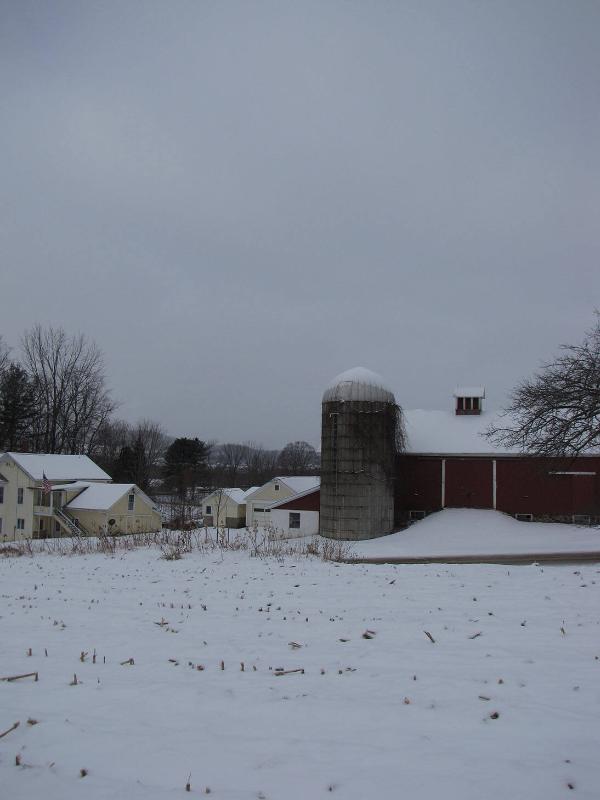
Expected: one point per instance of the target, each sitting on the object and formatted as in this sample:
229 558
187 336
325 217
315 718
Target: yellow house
37 490
226 508
27 509
112 508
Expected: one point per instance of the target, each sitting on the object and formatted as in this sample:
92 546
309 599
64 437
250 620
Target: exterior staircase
74 528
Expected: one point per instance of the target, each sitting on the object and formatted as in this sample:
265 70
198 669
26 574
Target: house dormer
469 399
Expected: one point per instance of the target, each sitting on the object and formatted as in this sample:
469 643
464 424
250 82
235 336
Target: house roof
234 494
358 384
288 500
300 483
74 486
58 467
102 496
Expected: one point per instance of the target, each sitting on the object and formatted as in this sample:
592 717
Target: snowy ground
464 531
393 716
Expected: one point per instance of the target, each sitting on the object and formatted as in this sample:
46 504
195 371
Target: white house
259 502
298 515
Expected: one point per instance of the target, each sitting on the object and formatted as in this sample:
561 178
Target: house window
1 494
294 519
0 524
276 487
208 510
56 526
20 524
20 496
41 523
130 502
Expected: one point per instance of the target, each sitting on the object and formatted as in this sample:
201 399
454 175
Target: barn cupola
469 399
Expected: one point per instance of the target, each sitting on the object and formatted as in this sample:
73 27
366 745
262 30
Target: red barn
450 464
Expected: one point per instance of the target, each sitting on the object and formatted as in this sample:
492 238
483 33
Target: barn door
469 483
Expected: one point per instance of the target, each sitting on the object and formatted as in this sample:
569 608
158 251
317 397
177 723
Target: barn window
276 487
294 519
130 502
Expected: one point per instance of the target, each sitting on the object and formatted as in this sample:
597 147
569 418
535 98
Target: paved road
501 558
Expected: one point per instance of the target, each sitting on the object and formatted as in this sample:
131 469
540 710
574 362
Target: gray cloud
238 201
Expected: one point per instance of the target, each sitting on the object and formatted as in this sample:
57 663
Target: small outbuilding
298 516
260 501
226 507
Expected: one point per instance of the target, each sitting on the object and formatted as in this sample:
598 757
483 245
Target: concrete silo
359 434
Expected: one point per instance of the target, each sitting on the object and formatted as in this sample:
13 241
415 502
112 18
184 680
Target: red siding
527 486
469 483
310 502
419 484
524 485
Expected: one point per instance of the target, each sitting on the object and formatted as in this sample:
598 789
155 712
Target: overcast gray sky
238 200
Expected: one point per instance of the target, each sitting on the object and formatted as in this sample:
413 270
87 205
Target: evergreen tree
17 406
185 463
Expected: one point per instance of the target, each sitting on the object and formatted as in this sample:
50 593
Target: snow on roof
296 496
233 493
71 487
237 495
101 496
58 467
445 432
358 384
300 483
469 391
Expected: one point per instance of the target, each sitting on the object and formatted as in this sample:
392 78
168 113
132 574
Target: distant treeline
54 398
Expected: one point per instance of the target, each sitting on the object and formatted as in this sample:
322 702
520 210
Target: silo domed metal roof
358 384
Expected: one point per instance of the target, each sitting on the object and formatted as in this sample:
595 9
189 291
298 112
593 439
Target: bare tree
234 458
297 458
261 464
70 383
148 445
111 437
4 353
557 412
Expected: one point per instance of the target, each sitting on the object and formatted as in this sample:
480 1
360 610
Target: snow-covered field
462 531
503 704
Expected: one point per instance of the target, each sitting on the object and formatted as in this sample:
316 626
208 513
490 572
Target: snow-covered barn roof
58 467
469 391
445 432
358 384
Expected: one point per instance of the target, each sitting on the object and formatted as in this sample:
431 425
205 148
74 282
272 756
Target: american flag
46 485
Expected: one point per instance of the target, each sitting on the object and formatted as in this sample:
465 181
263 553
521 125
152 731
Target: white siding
309 522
